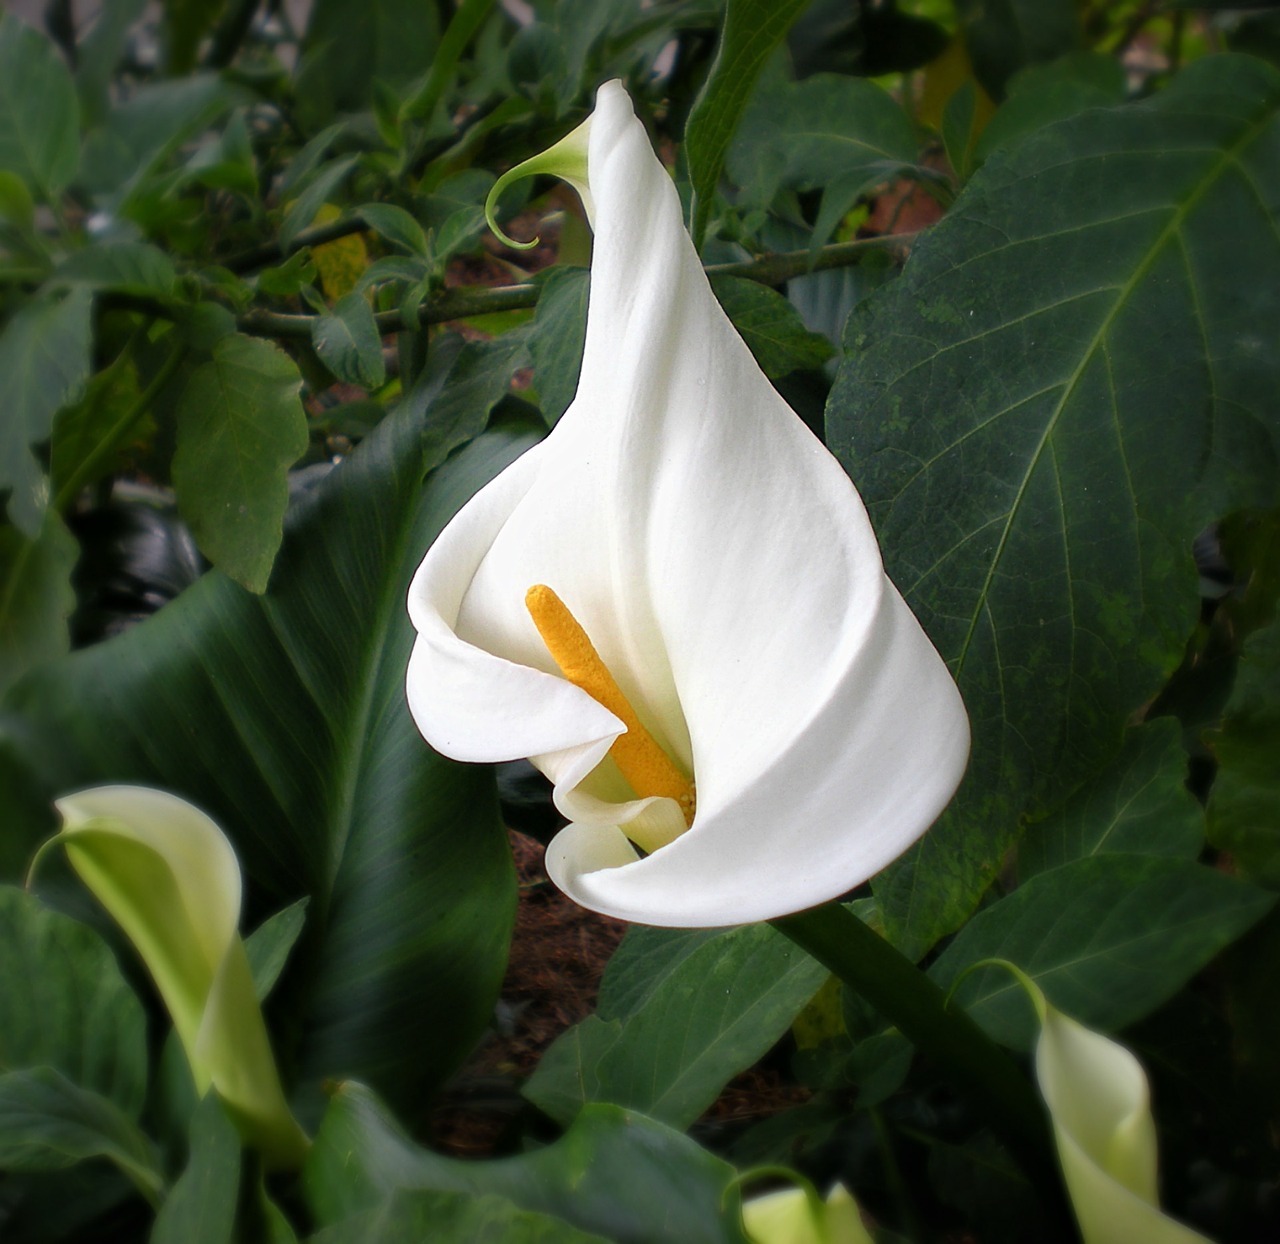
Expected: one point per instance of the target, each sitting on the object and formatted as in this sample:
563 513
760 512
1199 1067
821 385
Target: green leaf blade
751 31
240 427
39 113
45 359
1108 939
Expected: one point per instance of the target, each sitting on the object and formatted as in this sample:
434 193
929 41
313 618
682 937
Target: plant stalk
903 994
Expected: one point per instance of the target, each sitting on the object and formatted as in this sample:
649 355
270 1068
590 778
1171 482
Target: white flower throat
638 755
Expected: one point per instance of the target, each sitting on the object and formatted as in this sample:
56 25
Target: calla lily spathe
722 565
1098 1100
170 879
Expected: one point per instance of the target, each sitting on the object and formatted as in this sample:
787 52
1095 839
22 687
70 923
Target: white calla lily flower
678 597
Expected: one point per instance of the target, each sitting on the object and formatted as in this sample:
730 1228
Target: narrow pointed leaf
751 31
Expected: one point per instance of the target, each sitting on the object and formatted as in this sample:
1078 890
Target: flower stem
974 1064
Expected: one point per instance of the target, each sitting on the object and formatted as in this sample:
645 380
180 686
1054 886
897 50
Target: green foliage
201 1205
1138 805
1244 810
1052 396
39 116
613 1172
1107 938
208 217
284 717
843 135
752 30
35 596
64 1004
47 1123
240 426
665 1043
45 355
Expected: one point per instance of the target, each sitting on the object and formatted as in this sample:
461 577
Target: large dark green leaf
1069 380
1108 938
678 1027
240 426
615 1173
752 29
39 116
1140 805
284 717
64 1004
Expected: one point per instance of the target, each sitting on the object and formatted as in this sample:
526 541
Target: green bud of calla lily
799 1215
566 160
1100 1107
170 879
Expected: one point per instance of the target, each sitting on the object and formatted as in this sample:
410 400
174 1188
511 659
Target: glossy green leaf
771 327
39 115
201 1205
36 598
45 360
618 1174
348 343
47 1123
396 225
283 716
555 341
1108 938
240 427
453 1218
840 135
711 1014
1244 806
1028 412
64 1003
751 31
1138 805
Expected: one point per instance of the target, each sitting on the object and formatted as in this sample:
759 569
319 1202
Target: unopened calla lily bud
1100 1108
170 879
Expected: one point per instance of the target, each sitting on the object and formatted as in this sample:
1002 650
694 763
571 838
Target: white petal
725 569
